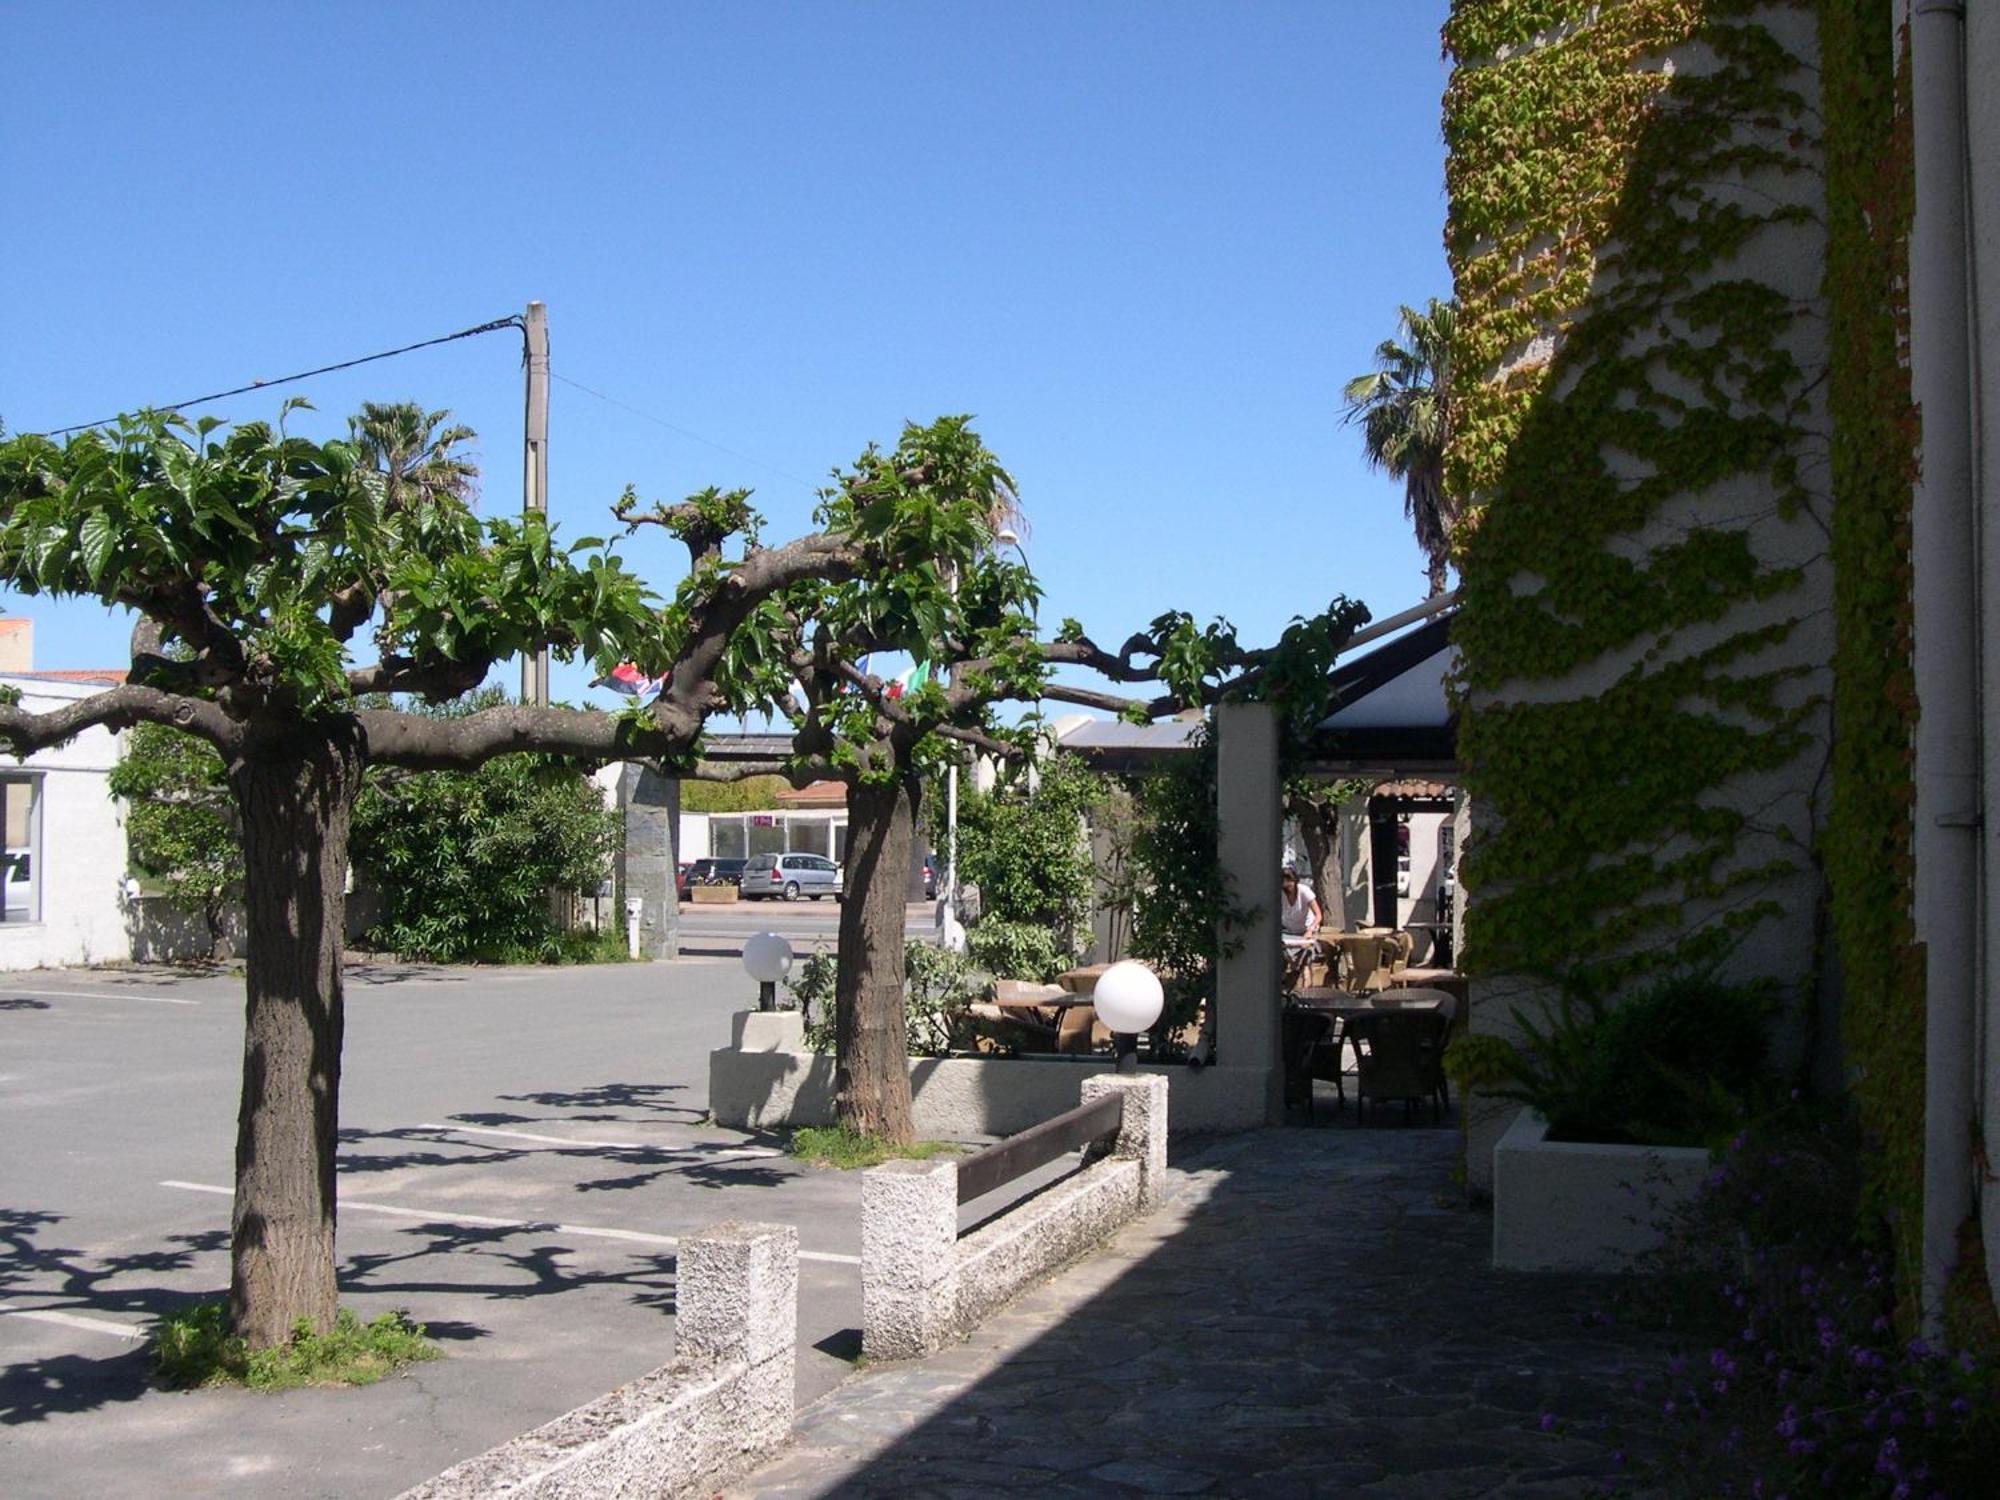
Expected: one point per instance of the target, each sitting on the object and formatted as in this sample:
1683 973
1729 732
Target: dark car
709 872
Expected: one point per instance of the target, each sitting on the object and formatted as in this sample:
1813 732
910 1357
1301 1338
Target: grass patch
843 1147
194 1347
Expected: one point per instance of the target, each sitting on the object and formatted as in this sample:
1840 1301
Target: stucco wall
81 851
1783 808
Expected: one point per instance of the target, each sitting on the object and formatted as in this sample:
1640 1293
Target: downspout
1944 555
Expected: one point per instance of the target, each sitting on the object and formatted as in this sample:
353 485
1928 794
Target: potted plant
1626 1100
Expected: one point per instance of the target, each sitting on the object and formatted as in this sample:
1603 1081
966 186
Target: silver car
789 876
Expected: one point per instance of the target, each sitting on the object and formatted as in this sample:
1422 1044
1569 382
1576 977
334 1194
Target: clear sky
1144 243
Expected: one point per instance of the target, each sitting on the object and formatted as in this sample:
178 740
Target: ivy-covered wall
1636 234
1678 231
1867 844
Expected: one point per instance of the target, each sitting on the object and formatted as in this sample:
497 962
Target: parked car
789 876
709 872
930 879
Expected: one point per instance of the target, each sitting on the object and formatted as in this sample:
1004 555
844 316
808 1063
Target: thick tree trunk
1319 827
296 799
871 1069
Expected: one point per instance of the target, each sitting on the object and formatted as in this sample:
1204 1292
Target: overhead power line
345 364
684 432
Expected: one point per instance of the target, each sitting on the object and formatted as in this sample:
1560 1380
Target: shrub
194 1347
1794 1379
1024 847
937 986
1682 1063
180 824
465 861
1016 950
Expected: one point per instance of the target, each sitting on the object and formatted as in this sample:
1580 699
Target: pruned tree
277 580
953 601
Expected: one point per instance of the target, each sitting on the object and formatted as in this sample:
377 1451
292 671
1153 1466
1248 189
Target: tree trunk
1319 827
871 1068
296 798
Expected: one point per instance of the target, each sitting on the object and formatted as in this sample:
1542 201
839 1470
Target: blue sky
1143 243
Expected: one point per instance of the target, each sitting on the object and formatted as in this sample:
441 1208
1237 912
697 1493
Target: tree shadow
651 1098
537 1269
57 1278
22 1002
33 1390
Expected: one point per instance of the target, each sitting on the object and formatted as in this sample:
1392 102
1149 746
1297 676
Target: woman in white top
1298 907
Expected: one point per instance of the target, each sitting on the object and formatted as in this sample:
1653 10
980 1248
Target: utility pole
535 474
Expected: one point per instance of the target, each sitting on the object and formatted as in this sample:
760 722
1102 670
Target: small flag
629 680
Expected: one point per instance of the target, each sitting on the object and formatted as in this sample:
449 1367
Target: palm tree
1404 408
416 452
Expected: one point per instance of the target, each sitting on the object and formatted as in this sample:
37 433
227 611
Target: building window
21 801
726 840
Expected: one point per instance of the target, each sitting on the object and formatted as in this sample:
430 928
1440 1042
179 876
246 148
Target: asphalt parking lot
520 1150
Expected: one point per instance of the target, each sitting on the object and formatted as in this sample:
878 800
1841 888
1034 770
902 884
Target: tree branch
116 708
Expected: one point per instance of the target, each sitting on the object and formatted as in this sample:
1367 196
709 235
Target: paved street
520 1149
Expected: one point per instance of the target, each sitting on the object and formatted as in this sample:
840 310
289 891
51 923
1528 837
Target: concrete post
1247 834
909 1258
736 1298
1142 1134
652 836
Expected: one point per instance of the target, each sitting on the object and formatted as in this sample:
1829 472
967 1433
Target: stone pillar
652 837
1247 834
736 1298
909 1258
1142 1133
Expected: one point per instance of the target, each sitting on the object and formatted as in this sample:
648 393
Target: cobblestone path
1311 1314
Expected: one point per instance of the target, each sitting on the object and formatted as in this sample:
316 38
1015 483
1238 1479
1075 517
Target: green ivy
1585 210
1866 850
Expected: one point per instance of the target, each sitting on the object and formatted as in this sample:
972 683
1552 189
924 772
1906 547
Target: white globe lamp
1128 999
767 958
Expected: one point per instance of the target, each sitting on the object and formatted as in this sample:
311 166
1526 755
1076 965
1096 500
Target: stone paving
1311 1314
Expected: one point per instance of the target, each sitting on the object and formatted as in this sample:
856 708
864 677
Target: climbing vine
1619 356
1638 424
1866 850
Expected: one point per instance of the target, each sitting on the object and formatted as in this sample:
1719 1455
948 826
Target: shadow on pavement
1316 1316
37 1277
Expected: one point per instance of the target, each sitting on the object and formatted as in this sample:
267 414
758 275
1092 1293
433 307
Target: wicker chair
1399 1054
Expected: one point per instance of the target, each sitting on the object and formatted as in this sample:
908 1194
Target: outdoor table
1082 981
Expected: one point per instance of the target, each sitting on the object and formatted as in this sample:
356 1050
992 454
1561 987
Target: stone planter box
1582 1206
713 895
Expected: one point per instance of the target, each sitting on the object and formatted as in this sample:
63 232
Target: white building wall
80 853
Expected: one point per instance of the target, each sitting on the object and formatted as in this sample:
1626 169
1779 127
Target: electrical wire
684 432
346 364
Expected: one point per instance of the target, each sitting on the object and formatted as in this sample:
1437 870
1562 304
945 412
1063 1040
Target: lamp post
767 958
1129 999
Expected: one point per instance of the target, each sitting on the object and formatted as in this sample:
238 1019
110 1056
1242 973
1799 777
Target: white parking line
733 1154
71 1320
16 989
481 1221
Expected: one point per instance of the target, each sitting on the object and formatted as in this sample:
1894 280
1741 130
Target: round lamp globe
1128 997
767 957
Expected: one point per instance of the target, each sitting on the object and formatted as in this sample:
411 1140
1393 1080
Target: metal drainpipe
1944 555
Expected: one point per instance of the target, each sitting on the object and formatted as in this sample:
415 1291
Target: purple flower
1548 1421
